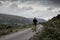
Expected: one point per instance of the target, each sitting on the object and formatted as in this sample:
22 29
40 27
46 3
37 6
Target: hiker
35 21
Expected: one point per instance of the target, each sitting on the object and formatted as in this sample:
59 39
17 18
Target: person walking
35 22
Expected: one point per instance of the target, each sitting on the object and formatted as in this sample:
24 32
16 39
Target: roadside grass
51 30
10 29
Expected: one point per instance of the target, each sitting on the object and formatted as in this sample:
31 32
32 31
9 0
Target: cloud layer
53 3
30 8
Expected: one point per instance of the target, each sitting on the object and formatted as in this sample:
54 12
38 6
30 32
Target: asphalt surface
22 35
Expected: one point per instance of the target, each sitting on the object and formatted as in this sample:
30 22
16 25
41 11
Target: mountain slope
12 19
38 19
5 18
51 30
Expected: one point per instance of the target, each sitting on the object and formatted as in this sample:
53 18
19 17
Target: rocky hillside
51 30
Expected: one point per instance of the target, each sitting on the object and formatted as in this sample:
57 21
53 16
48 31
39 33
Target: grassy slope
12 23
51 31
12 19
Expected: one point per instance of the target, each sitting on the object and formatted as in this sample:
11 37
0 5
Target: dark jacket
35 20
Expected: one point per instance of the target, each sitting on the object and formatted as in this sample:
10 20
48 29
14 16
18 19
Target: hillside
39 20
12 19
11 23
51 30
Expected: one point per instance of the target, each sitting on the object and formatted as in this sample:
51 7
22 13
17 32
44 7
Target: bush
51 30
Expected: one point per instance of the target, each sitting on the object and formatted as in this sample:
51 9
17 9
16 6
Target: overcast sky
45 9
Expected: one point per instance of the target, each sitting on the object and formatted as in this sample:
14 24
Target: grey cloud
55 1
58 11
9 0
26 8
13 5
1 4
43 2
52 3
2 0
50 9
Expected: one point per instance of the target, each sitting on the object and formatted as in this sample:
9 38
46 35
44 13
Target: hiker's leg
35 27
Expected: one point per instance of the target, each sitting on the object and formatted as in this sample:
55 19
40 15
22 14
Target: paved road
23 35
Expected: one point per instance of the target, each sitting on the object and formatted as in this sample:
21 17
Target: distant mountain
41 20
38 19
12 19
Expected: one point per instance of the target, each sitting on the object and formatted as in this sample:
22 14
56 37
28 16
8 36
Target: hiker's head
34 17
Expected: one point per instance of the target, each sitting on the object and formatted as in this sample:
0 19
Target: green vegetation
12 19
9 28
51 30
12 23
